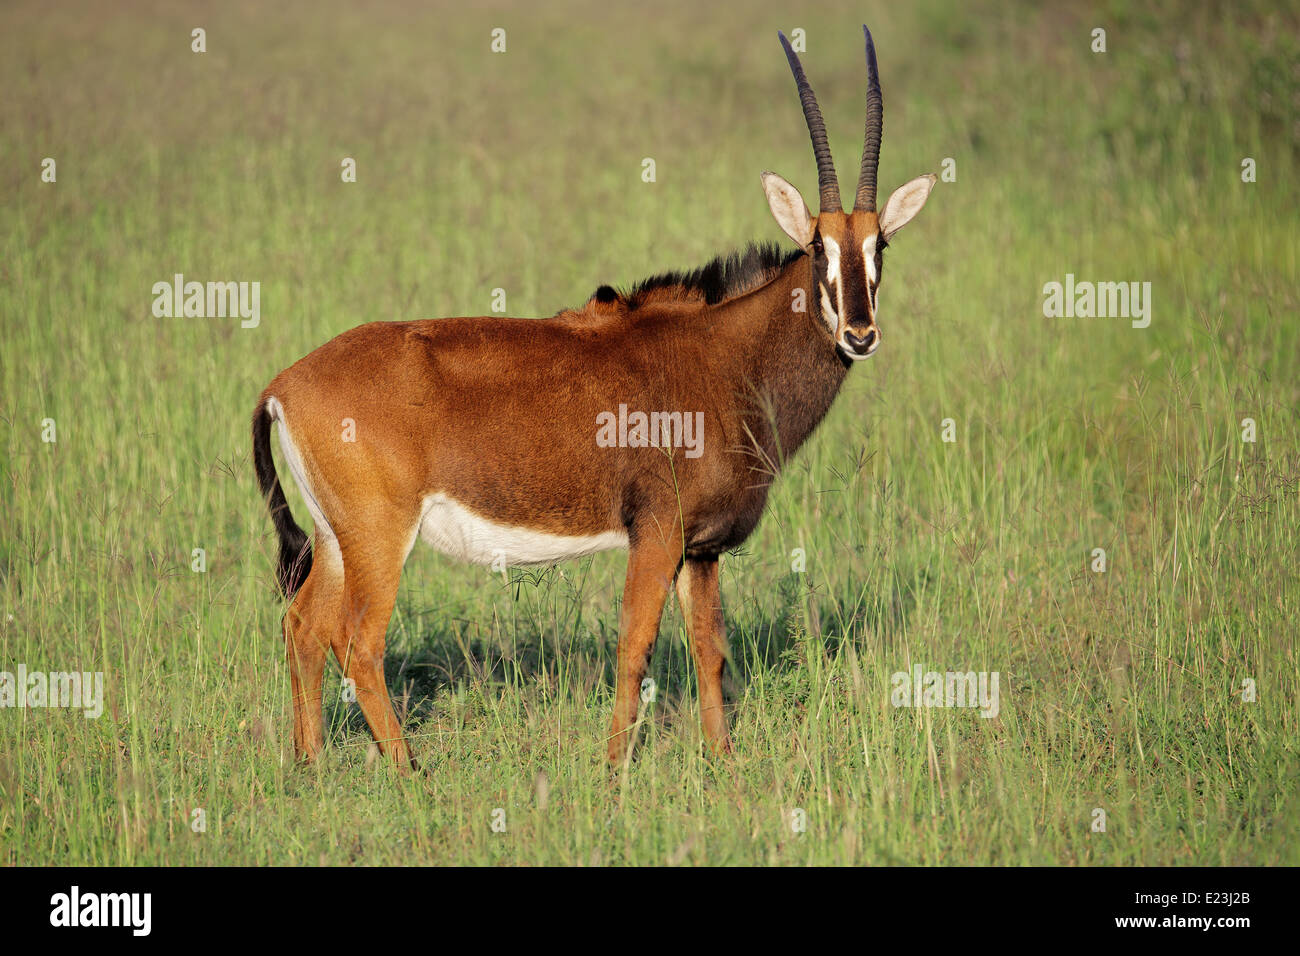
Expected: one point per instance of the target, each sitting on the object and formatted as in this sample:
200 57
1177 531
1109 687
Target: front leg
651 567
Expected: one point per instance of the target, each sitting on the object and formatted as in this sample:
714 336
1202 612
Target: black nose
863 344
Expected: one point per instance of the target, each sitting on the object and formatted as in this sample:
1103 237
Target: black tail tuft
295 548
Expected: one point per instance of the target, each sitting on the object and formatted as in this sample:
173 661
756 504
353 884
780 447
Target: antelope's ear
905 203
789 209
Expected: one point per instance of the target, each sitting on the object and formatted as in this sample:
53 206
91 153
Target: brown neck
794 370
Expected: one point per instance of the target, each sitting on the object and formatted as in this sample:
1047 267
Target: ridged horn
828 184
866 197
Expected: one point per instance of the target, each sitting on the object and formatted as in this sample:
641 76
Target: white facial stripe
869 257
832 258
833 280
828 312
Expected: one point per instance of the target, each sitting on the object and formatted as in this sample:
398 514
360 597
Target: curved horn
827 182
866 197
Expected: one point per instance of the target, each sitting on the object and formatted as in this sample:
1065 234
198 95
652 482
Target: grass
1120 690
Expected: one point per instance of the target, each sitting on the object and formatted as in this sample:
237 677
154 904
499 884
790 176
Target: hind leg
310 627
372 565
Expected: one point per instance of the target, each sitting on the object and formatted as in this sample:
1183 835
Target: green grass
1120 690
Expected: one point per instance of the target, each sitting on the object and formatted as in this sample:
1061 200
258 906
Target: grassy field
1121 690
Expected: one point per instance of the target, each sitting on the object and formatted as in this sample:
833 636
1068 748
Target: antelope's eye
818 248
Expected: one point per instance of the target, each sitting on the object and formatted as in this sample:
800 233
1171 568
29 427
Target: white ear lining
788 209
904 203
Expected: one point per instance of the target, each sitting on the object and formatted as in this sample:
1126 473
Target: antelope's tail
295 549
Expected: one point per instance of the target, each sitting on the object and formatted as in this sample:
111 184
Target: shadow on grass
439 658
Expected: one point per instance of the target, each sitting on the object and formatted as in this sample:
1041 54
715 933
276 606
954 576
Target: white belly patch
456 531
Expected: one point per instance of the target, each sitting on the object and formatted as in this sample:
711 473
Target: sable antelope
481 435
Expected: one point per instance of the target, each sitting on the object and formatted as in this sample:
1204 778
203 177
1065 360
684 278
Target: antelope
479 435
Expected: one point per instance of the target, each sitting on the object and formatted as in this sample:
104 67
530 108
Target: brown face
847 260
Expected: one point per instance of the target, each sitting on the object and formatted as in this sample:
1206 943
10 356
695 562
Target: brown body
471 408
391 427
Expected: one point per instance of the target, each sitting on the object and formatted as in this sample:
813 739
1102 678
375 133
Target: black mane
725 277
